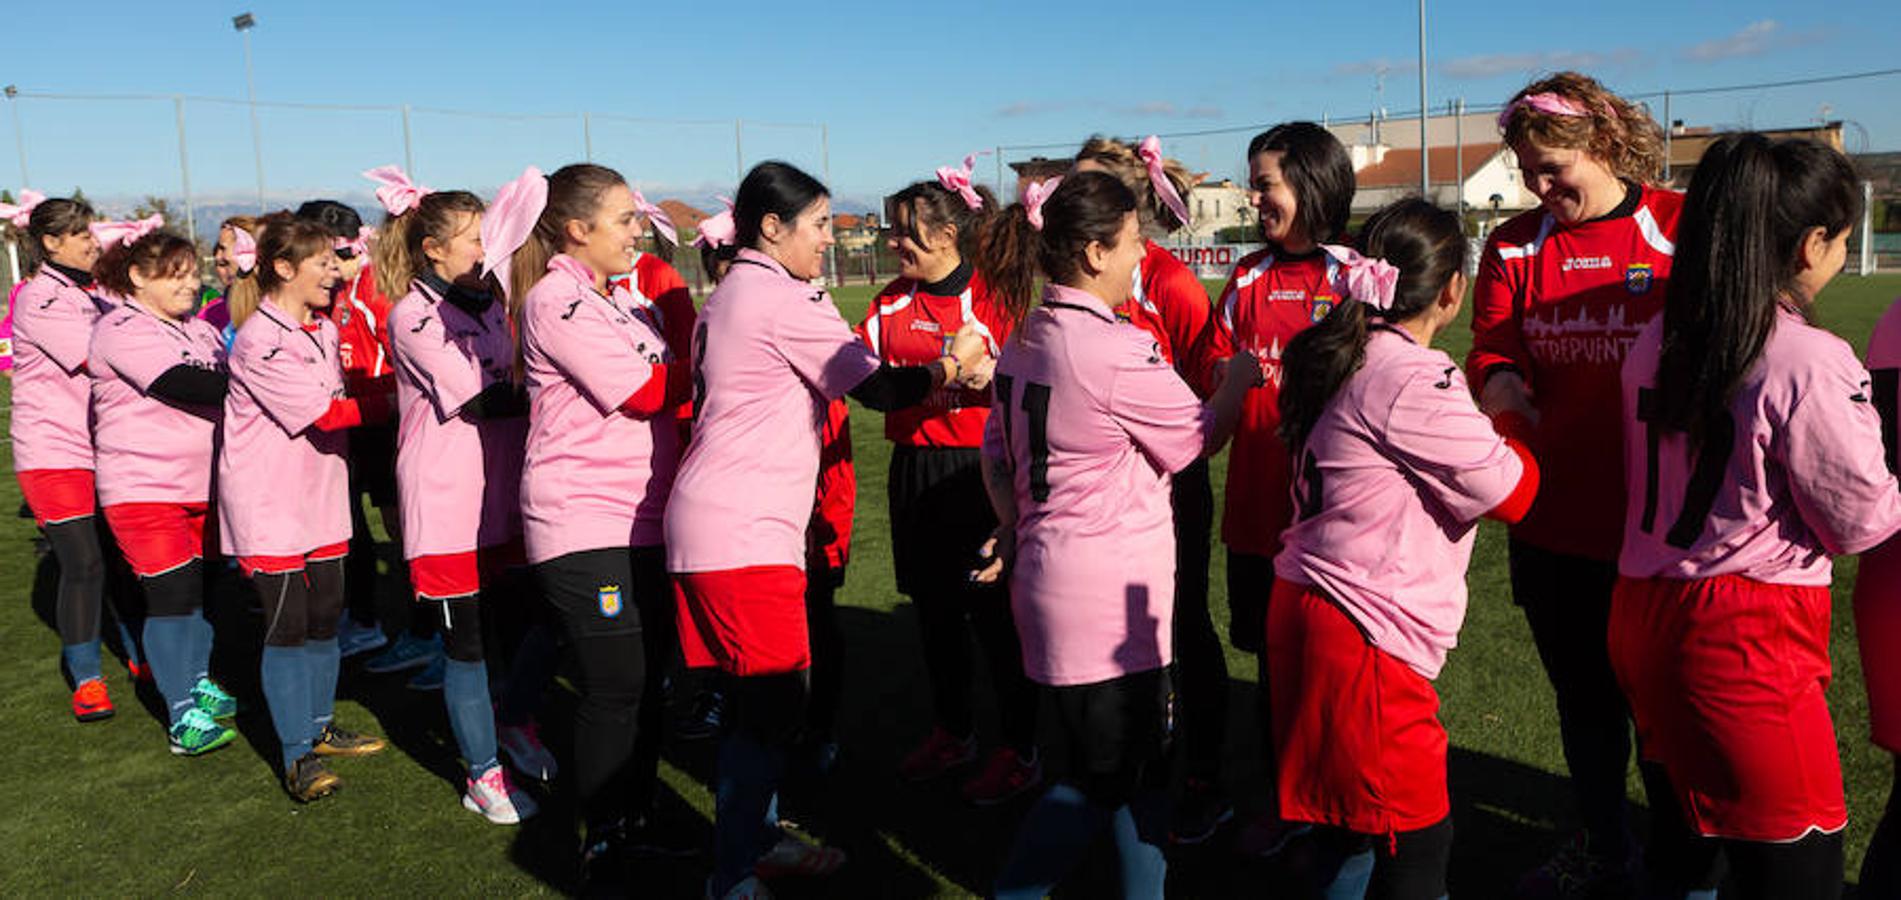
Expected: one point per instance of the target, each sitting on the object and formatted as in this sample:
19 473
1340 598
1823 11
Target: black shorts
373 464
1115 730
940 517
1250 583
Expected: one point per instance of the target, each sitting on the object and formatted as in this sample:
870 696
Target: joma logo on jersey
1638 278
1586 263
1287 294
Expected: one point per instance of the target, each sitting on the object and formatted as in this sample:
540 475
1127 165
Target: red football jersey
1268 300
1169 302
360 312
657 285
906 327
828 535
1562 305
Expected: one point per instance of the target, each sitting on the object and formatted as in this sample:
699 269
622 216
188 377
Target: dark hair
286 237
1750 204
54 217
155 255
340 220
1317 170
574 193
398 254
1087 206
930 205
714 259
775 188
1427 245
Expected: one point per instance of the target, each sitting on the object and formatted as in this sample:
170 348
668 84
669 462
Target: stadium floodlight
243 23
12 92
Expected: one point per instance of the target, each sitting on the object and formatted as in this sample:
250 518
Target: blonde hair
398 255
1615 131
241 295
1124 161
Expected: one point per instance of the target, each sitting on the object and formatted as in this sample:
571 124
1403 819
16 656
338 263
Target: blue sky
903 87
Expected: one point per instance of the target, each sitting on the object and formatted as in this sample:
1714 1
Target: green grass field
103 809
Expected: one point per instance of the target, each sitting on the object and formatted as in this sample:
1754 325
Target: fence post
184 172
1669 129
587 135
409 151
1867 266
739 153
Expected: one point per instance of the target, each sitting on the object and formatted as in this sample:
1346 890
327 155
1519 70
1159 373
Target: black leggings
1410 865
942 618
614 609
828 650
1200 665
1677 860
301 605
82 579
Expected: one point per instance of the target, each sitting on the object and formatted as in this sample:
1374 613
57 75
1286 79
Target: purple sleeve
1439 438
814 339
590 351
1156 407
448 375
1835 461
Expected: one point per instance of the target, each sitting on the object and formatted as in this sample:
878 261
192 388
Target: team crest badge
1637 278
609 595
1323 304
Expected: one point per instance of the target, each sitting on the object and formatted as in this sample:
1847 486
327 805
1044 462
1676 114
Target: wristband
957 367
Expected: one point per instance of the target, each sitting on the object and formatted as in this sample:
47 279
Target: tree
151 205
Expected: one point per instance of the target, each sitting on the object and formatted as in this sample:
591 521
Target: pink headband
111 233
1549 104
1151 151
957 181
658 217
718 230
398 194
358 245
22 213
510 218
1370 280
243 250
1035 194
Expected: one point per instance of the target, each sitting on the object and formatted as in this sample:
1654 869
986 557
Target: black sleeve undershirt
500 400
191 386
893 387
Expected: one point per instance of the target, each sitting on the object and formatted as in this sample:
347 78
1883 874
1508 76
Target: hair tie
110 234
718 230
1151 153
510 219
243 250
957 181
359 245
1545 102
398 194
21 213
1368 279
1035 194
661 222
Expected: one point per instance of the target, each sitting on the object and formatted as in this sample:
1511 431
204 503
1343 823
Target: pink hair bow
243 250
1151 151
1549 103
1370 280
511 217
109 234
1035 194
718 230
22 213
358 245
957 181
398 194
661 222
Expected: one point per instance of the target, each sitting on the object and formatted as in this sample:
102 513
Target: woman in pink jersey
53 316
462 422
158 390
1878 615
1562 290
1753 455
1089 422
770 353
283 507
602 447
1394 466
939 515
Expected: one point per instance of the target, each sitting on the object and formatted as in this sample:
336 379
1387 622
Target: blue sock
1050 843
131 647
201 636
168 644
1144 868
744 790
323 657
465 692
286 677
1351 877
82 661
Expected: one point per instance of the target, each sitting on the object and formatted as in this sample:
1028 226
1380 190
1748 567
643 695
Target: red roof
1400 168
846 221
683 216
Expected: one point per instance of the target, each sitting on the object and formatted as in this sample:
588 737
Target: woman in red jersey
1561 292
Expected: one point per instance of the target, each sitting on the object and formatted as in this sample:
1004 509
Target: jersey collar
1062 296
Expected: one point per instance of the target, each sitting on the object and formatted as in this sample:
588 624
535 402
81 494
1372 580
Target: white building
1214 205
1470 173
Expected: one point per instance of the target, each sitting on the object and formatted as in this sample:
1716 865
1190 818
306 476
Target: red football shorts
158 537
1726 678
1357 737
444 575
278 565
1878 628
748 621
58 495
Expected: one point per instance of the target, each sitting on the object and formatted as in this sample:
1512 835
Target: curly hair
1616 131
